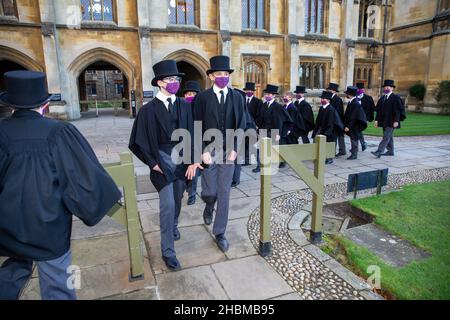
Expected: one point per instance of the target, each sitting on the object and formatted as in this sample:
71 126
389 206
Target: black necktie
170 106
222 99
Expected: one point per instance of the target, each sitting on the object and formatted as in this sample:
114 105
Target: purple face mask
324 102
360 92
286 100
249 94
189 99
173 87
268 98
386 91
299 96
222 82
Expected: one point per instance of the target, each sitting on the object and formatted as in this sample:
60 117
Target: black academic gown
390 111
337 103
328 123
307 114
368 106
355 119
207 113
275 117
48 173
298 127
255 107
151 134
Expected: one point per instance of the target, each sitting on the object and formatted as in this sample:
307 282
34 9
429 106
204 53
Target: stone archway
186 58
83 61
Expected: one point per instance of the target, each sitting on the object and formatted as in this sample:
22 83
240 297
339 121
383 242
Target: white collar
350 101
249 98
301 99
162 97
325 106
217 90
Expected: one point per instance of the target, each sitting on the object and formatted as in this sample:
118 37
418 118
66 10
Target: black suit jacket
368 106
390 111
307 114
205 111
338 105
255 108
355 118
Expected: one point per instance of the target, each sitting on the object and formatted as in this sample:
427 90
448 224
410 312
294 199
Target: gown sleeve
88 192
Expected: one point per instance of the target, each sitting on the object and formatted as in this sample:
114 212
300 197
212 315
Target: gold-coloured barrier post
127 214
265 246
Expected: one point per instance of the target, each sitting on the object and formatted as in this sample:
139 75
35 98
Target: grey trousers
216 186
341 144
169 210
388 141
54 278
354 148
237 173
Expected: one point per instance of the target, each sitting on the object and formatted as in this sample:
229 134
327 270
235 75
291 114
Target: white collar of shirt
249 99
300 100
162 97
333 95
217 92
270 102
350 101
388 95
325 106
361 96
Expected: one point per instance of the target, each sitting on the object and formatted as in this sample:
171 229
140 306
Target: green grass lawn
417 124
421 215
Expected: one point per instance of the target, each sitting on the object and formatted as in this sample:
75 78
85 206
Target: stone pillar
225 36
350 26
294 61
145 46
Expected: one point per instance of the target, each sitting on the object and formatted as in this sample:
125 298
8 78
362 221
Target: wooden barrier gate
293 155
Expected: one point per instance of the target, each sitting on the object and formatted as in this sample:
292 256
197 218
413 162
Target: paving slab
107 226
198 283
150 293
297 219
290 296
391 249
250 278
195 248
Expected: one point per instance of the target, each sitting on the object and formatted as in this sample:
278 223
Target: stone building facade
283 42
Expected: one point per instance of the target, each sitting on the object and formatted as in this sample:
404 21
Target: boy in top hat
328 122
254 105
221 108
368 107
354 121
190 91
48 173
390 111
306 112
151 141
273 117
338 105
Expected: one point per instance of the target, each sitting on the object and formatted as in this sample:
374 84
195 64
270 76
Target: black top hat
25 90
219 63
300 89
326 95
271 89
193 86
360 85
251 86
352 91
333 86
164 69
389 83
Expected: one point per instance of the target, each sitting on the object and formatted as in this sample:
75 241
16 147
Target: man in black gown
48 174
305 111
354 121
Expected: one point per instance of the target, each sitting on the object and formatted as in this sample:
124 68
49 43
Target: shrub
418 91
443 93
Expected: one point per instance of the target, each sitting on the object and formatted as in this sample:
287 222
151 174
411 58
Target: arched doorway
5 66
103 85
191 64
191 73
103 60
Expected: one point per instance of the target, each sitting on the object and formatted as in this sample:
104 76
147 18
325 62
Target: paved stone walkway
207 272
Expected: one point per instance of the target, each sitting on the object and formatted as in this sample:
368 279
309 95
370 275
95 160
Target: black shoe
207 216
364 146
172 263
222 243
234 184
256 170
176 234
329 161
341 154
191 201
388 154
376 154
352 158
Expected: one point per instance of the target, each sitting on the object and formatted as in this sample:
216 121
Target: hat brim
4 101
388 85
249 89
190 90
353 94
332 89
216 70
299 91
162 76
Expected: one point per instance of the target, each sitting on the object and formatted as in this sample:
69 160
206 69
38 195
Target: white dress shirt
217 92
162 97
